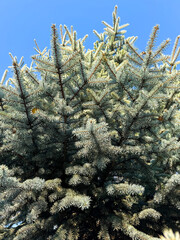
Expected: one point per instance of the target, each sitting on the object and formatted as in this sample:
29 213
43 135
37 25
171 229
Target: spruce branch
57 60
175 47
152 39
85 81
162 47
4 76
132 48
22 94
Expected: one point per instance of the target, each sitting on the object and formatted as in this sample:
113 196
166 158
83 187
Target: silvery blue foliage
90 140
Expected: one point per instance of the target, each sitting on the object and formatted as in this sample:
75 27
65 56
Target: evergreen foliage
91 149
169 235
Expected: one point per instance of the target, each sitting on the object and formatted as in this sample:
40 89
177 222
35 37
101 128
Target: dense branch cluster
90 140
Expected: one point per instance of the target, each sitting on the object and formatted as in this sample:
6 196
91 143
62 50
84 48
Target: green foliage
91 149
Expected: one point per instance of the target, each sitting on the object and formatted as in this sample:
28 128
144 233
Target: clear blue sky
22 21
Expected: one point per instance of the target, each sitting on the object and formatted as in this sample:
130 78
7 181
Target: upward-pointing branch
58 66
23 97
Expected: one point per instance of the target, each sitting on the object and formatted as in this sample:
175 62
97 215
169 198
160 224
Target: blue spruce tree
90 149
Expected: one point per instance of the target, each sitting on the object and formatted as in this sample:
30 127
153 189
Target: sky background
22 21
